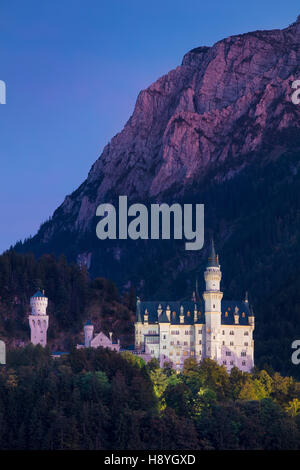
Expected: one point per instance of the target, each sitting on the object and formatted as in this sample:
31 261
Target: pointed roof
138 310
88 323
39 294
213 260
163 317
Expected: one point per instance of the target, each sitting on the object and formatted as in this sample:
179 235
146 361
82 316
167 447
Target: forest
99 399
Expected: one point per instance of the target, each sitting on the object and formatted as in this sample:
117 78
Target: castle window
223 332
231 332
164 347
243 314
171 343
246 344
226 314
185 343
164 336
243 363
188 313
185 353
231 343
174 314
200 342
186 332
192 353
178 342
243 353
171 353
178 353
231 363
200 332
223 342
228 353
246 333
224 362
214 306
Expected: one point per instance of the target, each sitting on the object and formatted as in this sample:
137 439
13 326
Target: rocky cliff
196 132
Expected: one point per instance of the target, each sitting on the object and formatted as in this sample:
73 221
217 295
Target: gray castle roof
213 260
228 308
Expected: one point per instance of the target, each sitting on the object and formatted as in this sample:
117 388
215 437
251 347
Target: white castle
39 320
216 329
100 339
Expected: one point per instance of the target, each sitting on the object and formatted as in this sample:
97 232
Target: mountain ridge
227 107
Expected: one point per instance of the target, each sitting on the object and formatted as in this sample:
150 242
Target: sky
73 70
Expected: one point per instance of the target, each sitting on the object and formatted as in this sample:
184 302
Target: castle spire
138 310
213 259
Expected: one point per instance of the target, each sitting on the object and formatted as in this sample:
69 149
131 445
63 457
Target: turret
181 315
236 315
39 320
212 298
251 319
212 295
39 303
195 314
88 333
138 310
139 324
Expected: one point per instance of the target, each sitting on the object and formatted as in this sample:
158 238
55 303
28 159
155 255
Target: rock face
221 102
226 108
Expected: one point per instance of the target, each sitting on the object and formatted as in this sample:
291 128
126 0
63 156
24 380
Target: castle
208 328
100 339
38 320
174 331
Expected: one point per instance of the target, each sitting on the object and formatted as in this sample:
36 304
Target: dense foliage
98 399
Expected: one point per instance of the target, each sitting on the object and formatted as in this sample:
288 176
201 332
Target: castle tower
139 325
88 333
39 320
212 298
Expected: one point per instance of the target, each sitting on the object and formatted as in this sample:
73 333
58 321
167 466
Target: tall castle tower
212 298
39 320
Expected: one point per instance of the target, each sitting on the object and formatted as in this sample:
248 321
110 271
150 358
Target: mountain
221 129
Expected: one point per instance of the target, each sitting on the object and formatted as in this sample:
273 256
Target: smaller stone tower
39 320
88 333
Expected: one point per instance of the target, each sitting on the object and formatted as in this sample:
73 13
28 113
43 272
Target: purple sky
73 70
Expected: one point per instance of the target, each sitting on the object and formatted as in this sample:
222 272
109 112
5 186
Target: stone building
100 339
210 328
